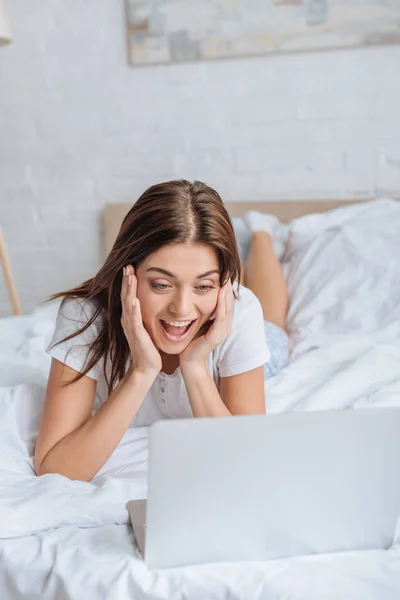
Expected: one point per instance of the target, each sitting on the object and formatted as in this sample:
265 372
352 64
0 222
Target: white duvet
69 539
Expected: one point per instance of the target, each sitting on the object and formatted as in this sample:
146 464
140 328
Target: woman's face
177 285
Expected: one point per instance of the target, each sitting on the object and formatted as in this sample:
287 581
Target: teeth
178 323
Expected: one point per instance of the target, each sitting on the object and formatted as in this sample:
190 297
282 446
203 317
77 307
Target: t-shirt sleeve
73 314
245 348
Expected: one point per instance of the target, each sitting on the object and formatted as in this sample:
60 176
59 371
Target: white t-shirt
244 349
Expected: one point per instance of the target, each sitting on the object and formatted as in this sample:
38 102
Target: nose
181 305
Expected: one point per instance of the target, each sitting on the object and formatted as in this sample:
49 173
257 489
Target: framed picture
173 31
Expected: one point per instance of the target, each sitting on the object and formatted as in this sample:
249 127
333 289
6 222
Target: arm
71 441
202 392
244 394
241 394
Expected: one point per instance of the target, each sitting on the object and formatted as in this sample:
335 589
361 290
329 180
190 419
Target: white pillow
343 272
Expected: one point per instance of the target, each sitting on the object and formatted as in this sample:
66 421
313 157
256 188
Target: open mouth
176 334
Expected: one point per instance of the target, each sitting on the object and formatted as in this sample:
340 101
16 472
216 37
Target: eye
160 286
208 287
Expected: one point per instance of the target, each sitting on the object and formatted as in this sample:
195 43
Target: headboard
284 210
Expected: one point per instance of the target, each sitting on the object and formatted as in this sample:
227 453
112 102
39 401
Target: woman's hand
145 356
197 351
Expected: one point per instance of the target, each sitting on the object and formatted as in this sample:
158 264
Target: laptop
260 487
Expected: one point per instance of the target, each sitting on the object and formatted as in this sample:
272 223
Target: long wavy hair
174 212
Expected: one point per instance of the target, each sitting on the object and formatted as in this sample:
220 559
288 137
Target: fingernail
123 271
129 279
134 302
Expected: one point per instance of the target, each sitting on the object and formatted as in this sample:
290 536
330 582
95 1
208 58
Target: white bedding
62 539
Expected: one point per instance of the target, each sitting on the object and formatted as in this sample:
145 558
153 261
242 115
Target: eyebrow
164 272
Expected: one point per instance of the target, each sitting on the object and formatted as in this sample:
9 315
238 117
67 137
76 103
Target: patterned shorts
278 343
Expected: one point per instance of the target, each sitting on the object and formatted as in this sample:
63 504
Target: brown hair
166 213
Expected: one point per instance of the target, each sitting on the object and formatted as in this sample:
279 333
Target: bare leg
263 276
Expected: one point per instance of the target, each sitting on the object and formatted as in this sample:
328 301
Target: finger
229 298
136 312
220 312
226 298
124 285
132 286
137 319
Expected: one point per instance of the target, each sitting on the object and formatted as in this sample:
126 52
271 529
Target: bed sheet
65 539
103 564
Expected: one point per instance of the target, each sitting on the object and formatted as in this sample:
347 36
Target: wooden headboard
284 210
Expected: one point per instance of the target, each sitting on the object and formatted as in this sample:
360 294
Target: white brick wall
79 128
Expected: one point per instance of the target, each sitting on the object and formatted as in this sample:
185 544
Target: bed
62 539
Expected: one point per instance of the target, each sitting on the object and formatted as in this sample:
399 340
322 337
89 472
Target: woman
162 330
